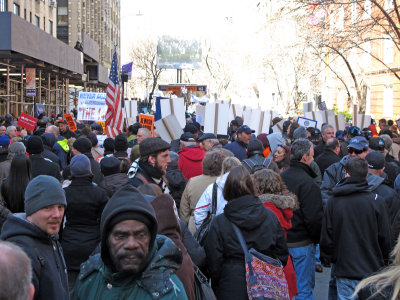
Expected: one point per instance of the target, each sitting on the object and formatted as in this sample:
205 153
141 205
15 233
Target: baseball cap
358 143
377 144
375 160
206 136
246 129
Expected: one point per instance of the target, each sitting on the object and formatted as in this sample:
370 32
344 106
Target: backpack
253 167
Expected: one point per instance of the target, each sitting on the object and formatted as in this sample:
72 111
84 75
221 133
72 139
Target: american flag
114 116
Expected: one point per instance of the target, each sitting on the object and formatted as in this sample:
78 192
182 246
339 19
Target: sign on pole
27 121
92 106
147 121
70 122
30 82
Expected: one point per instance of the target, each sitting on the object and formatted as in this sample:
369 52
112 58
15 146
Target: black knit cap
34 145
121 142
153 146
108 145
254 146
83 145
110 165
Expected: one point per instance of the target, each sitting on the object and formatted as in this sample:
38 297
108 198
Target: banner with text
27 121
92 106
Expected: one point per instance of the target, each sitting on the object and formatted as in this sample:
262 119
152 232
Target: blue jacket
238 148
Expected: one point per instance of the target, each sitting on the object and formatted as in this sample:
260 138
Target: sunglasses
352 150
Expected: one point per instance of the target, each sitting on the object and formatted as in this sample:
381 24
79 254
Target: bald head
53 129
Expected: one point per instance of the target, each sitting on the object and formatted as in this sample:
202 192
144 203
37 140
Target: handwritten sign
70 122
92 106
27 121
147 121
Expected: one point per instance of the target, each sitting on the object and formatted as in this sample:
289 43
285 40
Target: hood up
193 153
350 185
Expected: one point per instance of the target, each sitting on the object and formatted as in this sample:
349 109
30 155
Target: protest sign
200 112
216 119
306 122
169 128
236 110
147 121
27 121
307 106
103 124
70 122
92 106
278 127
131 110
318 116
340 122
175 106
322 106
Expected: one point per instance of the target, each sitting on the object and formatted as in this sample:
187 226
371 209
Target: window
354 12
62 13
51 27
37 21
16 9
367 9
367 55
3 5
388 101
388 49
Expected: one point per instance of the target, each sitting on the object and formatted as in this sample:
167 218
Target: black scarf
150 170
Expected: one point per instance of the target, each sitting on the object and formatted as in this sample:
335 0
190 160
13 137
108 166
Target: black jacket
94 165
325 159
44 166
49 141
378 185
225 258
68 134
111 183
49 275
81 233
196 252
143 177
356 231
319 149
176 184
306 222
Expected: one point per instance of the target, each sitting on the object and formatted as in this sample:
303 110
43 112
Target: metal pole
22 88
8 89
56 94
40 92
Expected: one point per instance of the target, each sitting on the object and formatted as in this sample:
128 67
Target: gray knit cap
43 191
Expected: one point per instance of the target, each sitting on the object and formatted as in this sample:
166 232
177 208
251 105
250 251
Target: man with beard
36 232
134 262
152 165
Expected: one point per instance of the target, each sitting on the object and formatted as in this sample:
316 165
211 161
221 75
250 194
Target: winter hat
110 165
300 133
126 204
152 146
43 191
80 166
263 138
93 138
121 142
4 141
83 145
375 160
108 145
377 144
174 159
254 147
190 128
34 145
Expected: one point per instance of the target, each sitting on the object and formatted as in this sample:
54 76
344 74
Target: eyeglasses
352 150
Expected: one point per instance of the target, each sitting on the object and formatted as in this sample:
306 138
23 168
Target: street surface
321 284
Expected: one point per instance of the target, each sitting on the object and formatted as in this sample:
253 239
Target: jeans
303 259
345 288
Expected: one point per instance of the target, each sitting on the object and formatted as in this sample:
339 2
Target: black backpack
253 167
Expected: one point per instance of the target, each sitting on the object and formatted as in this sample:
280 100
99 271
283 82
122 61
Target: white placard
306 122
178 109
131 109
215 111
200 112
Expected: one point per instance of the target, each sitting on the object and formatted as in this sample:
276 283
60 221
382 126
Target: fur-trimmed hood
281 201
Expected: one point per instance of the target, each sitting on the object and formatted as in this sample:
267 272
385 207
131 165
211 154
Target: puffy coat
112 183
49 271
191 195
308 219
81 233
356 231
191 161
225 258
204 206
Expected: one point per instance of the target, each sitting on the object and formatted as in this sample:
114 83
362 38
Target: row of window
36 19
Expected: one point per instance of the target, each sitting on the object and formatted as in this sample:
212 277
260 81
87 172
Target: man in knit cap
134 262
41 165
36 232
153 162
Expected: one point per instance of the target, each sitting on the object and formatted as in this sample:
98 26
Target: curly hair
212 163
269 182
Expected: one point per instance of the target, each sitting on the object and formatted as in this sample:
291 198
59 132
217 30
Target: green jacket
158 280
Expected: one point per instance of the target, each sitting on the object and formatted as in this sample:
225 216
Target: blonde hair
388 277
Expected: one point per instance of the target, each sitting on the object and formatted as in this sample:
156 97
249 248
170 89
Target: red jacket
191 161
284 215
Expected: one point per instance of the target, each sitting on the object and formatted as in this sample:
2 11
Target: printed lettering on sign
147 121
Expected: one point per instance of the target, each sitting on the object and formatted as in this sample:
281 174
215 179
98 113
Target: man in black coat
36 232
41 165
377 183
65 131
356 230
48 144
329 155
327 132
306 222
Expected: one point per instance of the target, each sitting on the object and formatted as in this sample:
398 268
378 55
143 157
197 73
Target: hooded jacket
356 230
225 258
44 166
98 280
191 161
274 140
49 271
168 225
48 144
378 185
204 205
307 220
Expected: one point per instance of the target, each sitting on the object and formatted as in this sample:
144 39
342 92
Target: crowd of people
83 216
